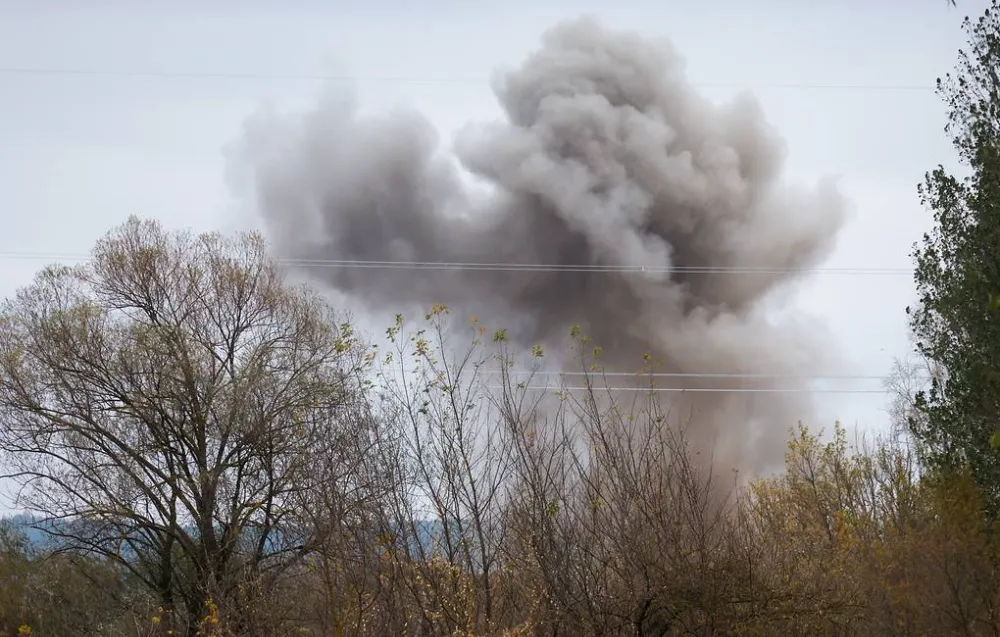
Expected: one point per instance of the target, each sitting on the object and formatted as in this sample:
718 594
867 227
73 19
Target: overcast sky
79 152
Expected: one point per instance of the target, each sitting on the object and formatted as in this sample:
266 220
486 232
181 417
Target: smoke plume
606 156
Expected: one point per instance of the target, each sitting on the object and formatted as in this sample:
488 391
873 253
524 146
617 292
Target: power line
519 267
17 70
735 375
708 390
554 267
704 376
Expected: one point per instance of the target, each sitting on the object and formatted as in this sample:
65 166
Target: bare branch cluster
214 451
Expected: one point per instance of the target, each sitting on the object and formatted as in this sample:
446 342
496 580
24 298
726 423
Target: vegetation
958 276
181 405
211 450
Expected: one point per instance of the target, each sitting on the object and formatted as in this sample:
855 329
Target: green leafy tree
957 319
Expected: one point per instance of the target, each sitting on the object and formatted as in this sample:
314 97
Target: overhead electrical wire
518 267
543 375
151 73
709 390
741 376
554 267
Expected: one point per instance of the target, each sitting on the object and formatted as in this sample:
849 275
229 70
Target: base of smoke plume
724 429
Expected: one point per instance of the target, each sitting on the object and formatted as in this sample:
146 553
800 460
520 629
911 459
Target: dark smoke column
608 157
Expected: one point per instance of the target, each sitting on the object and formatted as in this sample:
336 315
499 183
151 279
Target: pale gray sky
81 152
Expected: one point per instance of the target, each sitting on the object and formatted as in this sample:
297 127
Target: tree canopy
957 319
176 404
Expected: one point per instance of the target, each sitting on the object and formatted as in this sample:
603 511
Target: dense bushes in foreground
215 452
536 534
839 544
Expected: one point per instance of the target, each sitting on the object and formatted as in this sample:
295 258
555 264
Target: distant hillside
429 532
29 526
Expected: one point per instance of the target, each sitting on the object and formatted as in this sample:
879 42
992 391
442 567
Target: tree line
211 449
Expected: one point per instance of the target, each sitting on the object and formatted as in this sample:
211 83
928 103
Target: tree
957 320
60 595
171 404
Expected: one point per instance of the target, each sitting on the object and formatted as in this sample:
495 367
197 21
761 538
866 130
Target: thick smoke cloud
606 156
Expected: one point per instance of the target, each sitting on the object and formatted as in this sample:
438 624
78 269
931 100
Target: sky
101 118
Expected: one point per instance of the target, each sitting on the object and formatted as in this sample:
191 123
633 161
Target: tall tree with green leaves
957 320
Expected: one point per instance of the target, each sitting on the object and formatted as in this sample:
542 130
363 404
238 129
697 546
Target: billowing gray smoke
606 157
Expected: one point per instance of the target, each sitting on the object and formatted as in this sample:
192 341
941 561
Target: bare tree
167 405
908 377
452 464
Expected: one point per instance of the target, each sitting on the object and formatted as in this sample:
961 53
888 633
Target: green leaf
995 440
